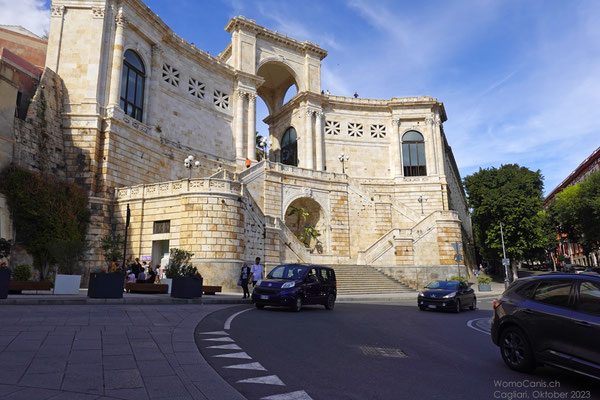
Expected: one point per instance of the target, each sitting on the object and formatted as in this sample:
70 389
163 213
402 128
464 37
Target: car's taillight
496 303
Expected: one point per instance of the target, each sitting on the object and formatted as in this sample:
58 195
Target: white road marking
214 333
470 325
228 322
220 339
235 355
254 366
226 347
299 395
265 380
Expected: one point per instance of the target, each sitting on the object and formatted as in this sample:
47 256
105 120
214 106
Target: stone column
152 96
117 61
55 38
396 149
319 140
252 126
308 141
239 126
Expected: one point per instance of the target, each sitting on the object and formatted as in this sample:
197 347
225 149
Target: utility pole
505 261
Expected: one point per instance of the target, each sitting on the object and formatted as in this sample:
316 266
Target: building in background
570 250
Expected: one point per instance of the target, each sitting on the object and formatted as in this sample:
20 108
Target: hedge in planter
4 280
106 285
187 281
484 284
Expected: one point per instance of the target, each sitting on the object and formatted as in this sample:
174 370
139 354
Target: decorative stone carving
120 20
170 75
396 122
252 97
196 88
355 129
98 12
221 100
332 128
58 11
377 131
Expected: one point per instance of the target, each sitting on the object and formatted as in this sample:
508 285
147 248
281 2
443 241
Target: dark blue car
295 285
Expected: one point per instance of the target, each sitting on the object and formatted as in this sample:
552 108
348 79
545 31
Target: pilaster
251 139
117 60
319 140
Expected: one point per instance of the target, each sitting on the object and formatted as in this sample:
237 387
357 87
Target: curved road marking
470 325
227 325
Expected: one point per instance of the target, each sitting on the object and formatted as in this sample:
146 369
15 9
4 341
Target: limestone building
138 100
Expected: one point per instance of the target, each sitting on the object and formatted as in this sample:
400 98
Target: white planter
166 281
67 284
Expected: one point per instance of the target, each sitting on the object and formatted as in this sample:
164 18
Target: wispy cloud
33 15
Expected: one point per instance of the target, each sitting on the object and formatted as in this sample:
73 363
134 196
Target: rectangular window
162 226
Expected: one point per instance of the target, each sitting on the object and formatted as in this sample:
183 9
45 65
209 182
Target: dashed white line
214 333
299 395
226 347
228 322
265 380
253 366
470 325
235 355
220 339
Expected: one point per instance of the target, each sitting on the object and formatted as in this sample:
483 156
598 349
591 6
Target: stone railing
304 172
292 242
427 224
170 188
381 245
249 171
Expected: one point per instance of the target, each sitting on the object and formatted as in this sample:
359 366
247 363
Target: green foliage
484 280
308 232
5 246
511 195
576 212
68 255
45 211
111 249
461 279
21 273
180 266
300 213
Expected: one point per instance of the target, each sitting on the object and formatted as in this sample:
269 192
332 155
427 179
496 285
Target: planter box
67 284
186 288
167 281
106 286
485 288
4 282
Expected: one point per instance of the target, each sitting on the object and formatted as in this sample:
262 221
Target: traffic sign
458 258
506 261
457 246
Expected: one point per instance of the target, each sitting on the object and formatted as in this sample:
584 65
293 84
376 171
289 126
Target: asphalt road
375 351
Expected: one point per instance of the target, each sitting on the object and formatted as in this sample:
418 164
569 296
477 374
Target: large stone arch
278 78
292 194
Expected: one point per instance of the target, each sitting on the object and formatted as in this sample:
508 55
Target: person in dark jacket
151 275
244 276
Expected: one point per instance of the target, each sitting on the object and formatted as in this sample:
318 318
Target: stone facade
368 209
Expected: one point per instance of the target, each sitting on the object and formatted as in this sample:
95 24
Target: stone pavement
104 352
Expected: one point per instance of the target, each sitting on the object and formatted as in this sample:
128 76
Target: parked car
573 268
551 319
447 295
295 285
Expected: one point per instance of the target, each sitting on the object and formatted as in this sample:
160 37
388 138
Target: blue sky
520 80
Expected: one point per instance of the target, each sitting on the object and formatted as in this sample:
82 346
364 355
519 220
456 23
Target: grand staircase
361 279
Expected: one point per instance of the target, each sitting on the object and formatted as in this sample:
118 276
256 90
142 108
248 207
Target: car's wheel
516 350
330 302
457 308
297 304
473 304
259 306
422 308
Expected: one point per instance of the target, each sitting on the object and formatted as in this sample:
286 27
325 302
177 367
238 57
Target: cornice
249 24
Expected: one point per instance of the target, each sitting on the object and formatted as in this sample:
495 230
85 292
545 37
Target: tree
511 195
45 211
111 249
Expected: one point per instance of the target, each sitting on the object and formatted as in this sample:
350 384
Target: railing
204 185
380 246
309 173
425 225
292 242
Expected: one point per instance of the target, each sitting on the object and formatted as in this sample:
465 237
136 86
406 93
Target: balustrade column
308 142
239 126
319 140
117 60
252 126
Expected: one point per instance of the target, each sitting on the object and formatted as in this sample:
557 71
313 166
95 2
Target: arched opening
289 147
307 220
278 79
132 85
413 154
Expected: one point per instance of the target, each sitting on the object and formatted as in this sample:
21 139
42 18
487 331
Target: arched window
132 85
413 154
289 147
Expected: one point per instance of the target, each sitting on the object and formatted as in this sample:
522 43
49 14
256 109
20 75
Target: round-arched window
413 154
132 85
289 147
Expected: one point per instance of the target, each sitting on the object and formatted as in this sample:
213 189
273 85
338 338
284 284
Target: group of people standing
250 274
140 273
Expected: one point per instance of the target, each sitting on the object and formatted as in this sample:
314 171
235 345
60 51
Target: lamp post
422 200
343 158
189 164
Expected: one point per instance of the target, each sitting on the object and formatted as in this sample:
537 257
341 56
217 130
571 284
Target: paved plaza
93 352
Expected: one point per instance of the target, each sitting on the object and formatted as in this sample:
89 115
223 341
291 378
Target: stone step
362 279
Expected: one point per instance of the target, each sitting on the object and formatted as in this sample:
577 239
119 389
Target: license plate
263 297
431 306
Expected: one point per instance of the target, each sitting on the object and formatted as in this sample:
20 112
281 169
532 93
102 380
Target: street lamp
343 158
263 143
422 200
189 164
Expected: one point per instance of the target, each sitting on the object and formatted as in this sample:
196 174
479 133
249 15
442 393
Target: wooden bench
15 287
146 288
211 289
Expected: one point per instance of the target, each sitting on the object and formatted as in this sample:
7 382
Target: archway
307 220
278 79
289 147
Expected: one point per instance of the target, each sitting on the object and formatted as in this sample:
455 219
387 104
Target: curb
122 301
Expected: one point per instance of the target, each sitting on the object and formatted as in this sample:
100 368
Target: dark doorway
289 147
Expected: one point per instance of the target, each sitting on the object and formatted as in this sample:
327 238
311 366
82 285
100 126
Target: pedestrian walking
244 277
476 271
256 272
248 162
